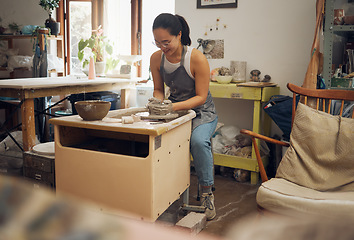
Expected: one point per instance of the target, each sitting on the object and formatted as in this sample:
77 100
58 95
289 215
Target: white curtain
118 26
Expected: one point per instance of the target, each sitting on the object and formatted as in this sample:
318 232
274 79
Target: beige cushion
316 174
284 197
321 152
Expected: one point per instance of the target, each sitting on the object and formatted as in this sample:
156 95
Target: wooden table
27 89
258 95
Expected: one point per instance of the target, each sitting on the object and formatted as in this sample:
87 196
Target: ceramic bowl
223 79
91 110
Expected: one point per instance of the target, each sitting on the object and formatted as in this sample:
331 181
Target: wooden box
139 168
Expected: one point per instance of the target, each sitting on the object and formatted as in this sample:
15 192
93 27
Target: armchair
316 174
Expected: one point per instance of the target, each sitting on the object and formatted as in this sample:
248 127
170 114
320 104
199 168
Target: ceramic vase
92 74
238 71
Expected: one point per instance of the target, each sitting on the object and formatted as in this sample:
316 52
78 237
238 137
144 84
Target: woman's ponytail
185 39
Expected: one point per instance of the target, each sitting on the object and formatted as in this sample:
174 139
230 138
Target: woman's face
165 41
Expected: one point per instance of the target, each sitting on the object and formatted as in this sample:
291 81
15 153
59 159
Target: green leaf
115 63
91 42
82 44
109 49
80 55
86 62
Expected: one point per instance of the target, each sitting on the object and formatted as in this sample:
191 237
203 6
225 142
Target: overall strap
184 51
162 63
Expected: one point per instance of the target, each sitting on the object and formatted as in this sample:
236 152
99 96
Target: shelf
249 164
10 37
7 37
60 48
331 30
258 95
343 28
5 69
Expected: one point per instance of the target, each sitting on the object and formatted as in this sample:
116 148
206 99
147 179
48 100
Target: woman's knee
200 143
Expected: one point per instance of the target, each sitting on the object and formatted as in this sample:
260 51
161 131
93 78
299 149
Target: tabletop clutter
236 73
155 109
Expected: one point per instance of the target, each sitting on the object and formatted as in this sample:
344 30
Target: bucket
143 93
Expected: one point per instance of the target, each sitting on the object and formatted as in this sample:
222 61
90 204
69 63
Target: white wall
22 12
25 12
274 36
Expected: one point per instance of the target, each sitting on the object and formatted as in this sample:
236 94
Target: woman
186 72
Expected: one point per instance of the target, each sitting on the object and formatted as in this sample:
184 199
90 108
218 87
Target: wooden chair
316 174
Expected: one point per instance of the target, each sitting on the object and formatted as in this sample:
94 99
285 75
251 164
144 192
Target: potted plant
2 28
14 28
49 6
97 46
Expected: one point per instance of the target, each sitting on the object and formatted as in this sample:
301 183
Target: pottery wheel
44 149
161 117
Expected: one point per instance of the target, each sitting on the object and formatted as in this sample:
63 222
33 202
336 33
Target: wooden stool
38 165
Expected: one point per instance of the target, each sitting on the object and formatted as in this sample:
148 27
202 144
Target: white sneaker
208 203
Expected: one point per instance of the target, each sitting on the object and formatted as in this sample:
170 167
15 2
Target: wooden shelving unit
331 31
60 49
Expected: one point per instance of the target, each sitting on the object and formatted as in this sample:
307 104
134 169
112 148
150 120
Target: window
117 25
151 8
80 27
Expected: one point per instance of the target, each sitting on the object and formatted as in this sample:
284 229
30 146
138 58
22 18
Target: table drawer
40 176
40 184
40 162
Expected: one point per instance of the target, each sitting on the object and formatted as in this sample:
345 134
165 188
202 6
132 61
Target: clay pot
53 26
91 110
100 68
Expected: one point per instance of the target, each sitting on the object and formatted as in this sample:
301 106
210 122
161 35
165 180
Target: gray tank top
182 87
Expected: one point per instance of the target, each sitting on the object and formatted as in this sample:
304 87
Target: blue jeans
201 152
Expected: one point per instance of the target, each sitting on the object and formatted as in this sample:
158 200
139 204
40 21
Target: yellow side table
258 95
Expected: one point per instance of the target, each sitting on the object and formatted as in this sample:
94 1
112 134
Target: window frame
97 19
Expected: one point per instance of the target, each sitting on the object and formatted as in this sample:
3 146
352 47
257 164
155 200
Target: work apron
182 87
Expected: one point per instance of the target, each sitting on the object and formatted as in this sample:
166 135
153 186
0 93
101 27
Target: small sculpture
266 78
255 75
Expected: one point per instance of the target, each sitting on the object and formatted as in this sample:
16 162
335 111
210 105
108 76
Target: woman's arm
201 72
159 88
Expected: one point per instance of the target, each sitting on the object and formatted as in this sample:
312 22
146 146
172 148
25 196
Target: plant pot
99 68
53 26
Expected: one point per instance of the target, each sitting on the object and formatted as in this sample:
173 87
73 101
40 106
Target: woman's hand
158 107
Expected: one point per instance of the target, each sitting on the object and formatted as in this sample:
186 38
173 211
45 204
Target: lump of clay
224 71
158 107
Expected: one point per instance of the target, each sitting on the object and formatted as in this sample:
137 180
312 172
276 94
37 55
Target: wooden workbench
26 89
258 95
140 168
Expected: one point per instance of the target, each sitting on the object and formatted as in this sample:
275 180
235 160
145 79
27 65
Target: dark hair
174 24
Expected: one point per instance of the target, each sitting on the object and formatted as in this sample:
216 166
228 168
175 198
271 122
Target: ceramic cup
238 70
